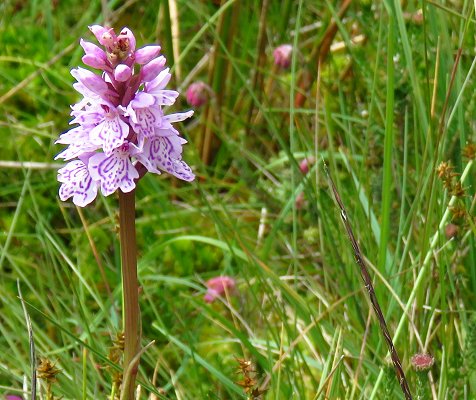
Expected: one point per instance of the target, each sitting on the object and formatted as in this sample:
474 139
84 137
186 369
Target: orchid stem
130 290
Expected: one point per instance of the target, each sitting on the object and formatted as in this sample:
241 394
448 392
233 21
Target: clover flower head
120 122
283 55
422 361
219 286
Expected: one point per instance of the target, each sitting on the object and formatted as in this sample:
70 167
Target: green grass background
383 113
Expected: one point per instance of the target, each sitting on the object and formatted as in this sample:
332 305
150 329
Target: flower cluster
122 127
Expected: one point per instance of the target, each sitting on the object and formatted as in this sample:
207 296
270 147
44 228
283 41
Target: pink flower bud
94 56
122 73
13 397
282 55
104 35
198 94
146 54
305 164
219 286
152 69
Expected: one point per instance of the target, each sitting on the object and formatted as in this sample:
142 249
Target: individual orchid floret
156 88
92 86
165 153
283 55
111 131
122 127
144 116
218 287
77 183
115 171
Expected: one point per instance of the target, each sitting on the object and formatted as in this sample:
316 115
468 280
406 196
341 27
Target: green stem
130 290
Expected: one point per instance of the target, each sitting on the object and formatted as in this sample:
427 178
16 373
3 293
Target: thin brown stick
364 273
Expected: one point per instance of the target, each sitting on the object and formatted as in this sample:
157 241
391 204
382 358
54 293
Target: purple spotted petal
115 171
79 143
177 117
144 116
165 153
77 183
110 133
166 126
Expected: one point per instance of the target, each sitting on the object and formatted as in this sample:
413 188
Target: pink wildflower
422 362
305 164
120 120
219 286
282 55
198 94
13 397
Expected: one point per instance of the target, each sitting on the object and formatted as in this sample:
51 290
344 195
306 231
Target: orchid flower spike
120 123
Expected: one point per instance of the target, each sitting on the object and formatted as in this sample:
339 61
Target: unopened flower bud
198 94
304 165
282 55
146 54
152 68
122 73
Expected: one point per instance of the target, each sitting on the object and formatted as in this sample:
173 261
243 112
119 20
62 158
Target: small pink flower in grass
305 164
283 55
121 120
198 94
422 362
219 286
13 397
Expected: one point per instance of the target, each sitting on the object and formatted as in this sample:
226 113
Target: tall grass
382 91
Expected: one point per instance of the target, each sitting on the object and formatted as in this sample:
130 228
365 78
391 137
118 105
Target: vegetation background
382 91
